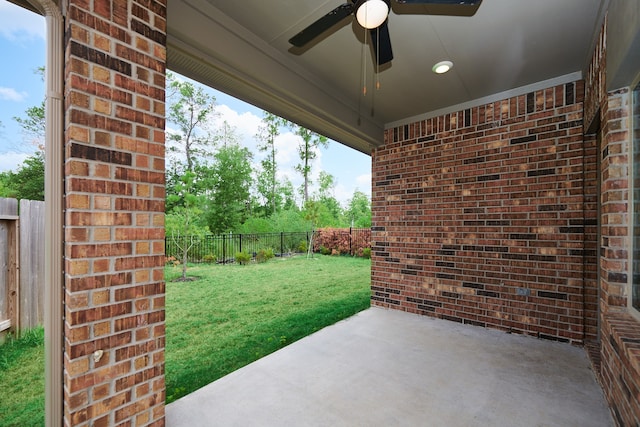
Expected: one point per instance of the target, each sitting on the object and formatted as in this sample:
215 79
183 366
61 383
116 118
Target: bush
210 258
366 253
343 240
325 251
264 255
243 258
302 246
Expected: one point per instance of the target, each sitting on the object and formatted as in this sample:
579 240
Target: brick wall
114 232
619 348
487 216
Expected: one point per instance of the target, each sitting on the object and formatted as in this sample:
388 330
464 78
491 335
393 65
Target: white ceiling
241 47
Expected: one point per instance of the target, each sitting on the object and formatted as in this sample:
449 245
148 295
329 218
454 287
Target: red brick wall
114 233
608 114
487 216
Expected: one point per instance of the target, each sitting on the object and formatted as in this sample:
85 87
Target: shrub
243 258
264 255
343 240
210 258
325 251
366 253
171 260
302 246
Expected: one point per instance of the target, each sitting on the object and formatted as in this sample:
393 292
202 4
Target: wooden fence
22 278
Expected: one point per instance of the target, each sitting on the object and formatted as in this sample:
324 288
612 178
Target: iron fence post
350 240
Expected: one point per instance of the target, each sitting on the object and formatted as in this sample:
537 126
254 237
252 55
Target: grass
229 317
22 380
234 315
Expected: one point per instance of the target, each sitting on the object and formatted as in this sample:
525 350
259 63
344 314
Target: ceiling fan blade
322 25
452 2
382 51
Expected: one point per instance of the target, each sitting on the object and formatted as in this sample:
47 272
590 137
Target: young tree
228 180
182 223
311 141
190 108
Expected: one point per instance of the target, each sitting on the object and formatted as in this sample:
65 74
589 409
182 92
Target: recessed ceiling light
442 67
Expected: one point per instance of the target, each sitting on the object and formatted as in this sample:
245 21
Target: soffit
241 47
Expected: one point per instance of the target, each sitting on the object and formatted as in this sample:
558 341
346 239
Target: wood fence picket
22 278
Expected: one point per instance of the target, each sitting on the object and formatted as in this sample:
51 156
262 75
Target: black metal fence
224 247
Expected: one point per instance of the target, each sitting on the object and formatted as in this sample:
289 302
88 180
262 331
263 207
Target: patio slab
389 368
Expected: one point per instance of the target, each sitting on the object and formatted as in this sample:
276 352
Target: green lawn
22 380
236 314
229 317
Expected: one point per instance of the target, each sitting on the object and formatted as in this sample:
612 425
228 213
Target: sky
22 49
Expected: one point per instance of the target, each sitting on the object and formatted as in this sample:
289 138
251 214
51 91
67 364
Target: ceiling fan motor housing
371 13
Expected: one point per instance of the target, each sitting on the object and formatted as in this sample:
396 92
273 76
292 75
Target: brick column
115 54
609 114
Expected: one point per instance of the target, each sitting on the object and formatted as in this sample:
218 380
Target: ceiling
506 47
500 49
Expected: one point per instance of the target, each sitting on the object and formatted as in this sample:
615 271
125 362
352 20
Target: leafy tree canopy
27 182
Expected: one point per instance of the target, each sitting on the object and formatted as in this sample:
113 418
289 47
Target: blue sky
22 47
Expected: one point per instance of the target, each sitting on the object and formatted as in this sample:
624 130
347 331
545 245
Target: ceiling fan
372 15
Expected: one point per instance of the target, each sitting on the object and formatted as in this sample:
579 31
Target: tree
228 181
307 152
328 210
27 182
267 182
227 135
288 194
181 223
33 126
190 109
358 212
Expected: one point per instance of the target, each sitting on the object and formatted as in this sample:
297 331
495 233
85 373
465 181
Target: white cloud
343 194
246 124
10 94
11 160
17 23
287 146
364 183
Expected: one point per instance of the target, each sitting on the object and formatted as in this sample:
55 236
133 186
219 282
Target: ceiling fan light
442 67
372 13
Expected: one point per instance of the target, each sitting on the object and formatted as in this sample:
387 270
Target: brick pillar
114 220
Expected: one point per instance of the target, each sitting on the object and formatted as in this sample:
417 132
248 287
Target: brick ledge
625 333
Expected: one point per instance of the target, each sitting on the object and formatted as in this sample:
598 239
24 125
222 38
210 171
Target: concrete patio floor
389 368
